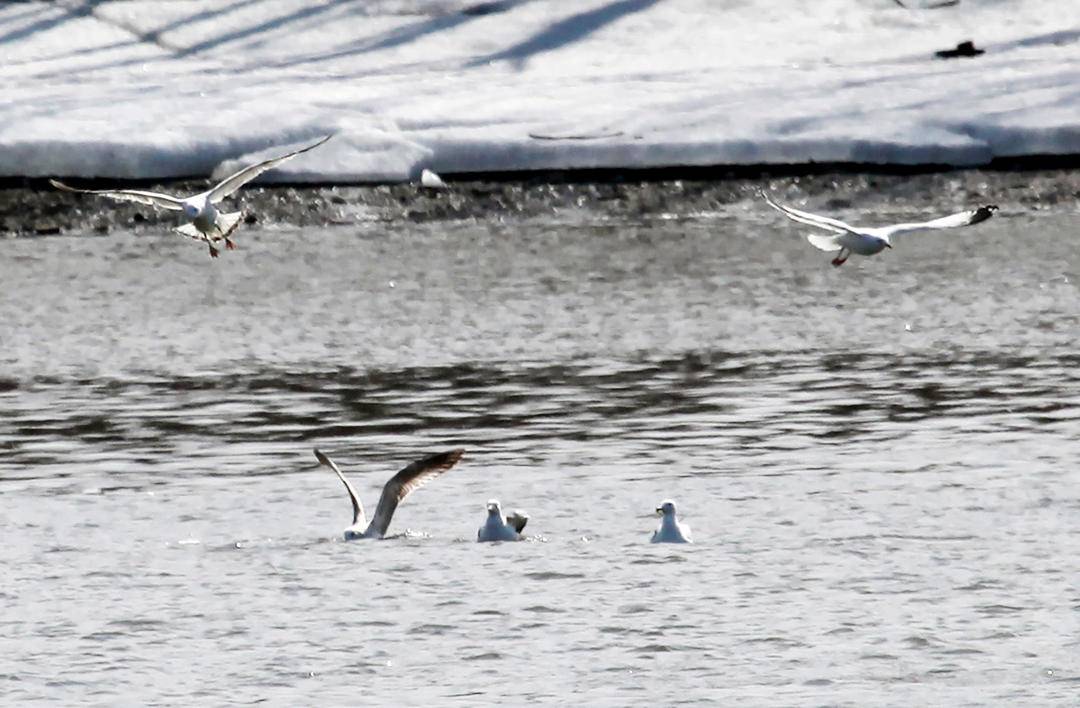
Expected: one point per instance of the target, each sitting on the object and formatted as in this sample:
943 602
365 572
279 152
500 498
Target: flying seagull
866 241
207 223
670 530
394 492
496 528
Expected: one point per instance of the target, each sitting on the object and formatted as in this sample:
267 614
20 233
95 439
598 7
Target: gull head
191 210
493 507
666 508
983 213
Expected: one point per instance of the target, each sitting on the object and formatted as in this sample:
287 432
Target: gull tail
190 231
227 223
825 243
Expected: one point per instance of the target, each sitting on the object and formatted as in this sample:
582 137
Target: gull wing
952 221
404 482
127 195
237 180
357 507
517 518
805 217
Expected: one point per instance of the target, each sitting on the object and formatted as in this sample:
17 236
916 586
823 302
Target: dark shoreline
30 207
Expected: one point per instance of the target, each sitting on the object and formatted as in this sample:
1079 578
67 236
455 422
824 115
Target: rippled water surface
880 463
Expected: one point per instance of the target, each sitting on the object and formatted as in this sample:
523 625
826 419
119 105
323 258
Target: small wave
654 649
433 629
552 575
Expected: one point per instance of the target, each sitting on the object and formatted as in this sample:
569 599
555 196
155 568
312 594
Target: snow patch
153 89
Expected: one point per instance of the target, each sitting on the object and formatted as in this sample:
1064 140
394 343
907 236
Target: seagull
866 241
497 529
394 492
670 530
207 223
431 180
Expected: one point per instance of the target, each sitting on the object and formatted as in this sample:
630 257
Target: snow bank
169 88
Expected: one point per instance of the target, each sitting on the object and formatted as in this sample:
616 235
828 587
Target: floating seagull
207 223
866 241
394 492
670 530
497 529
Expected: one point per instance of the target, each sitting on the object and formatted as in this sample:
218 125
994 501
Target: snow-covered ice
170 88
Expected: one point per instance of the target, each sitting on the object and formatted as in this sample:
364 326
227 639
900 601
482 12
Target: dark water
881 465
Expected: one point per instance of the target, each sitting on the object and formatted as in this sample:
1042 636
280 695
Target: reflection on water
741 404
878 461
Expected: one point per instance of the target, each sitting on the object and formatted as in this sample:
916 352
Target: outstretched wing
805 217
357 507
404 482
517 518
235 181
127 195
952 221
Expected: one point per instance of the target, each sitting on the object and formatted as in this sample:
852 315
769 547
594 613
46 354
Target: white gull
496 528
867 240
670 530
207 223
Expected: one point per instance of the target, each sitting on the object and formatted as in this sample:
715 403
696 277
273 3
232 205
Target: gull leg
841 257
229 244
213 251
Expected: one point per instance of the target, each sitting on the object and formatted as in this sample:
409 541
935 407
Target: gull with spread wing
207 223
394 492
867 240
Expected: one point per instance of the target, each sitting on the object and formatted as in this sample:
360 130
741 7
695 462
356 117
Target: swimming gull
866 241
394 492
670 530
496 528
207 223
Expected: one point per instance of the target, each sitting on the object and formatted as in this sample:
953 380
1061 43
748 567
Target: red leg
230 244
213 251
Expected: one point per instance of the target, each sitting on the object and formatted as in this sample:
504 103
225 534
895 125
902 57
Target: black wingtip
442 461
323 459
450 457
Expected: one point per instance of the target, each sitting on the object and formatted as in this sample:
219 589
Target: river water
880 464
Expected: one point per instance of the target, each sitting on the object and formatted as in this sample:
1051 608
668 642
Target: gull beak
659 511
